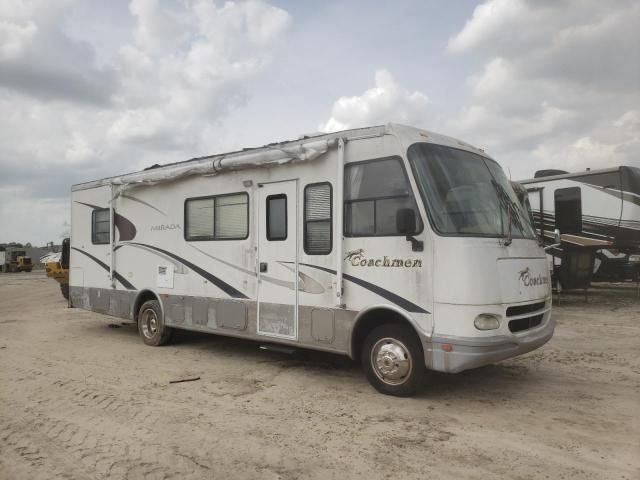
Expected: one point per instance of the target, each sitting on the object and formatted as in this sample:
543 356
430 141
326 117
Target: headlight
486 321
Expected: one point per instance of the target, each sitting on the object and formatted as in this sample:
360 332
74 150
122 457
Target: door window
277 217
568 204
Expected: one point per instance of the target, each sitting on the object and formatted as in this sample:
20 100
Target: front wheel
151 324
393 360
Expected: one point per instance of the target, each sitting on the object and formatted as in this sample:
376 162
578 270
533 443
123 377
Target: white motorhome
399 247
594 210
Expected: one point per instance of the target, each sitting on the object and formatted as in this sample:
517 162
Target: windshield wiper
509 238
512 214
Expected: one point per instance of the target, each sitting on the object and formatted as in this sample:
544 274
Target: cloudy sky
90 89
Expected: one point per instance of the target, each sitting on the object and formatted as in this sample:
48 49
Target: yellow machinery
15 260
59 270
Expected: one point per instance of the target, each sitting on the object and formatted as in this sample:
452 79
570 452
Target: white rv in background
399 247
594 210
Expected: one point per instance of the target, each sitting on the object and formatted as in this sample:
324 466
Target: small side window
100 231
318 220
568 205
277 217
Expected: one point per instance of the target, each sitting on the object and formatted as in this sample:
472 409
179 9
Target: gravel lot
81 399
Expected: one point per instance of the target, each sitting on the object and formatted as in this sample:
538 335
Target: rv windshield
467 194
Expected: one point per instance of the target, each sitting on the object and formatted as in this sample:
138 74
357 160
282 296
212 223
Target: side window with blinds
199 219
222 217
100 232
318 231
231 217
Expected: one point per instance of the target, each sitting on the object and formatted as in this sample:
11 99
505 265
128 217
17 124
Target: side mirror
406 221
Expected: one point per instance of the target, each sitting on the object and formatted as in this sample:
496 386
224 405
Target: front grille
522 309
525 323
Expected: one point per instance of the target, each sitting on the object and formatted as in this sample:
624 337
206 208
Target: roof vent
549 173
310 135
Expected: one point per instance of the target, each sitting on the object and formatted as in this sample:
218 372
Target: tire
64 289
393 360
151 325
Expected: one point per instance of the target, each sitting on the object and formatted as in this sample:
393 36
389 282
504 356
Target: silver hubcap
149 323
391 361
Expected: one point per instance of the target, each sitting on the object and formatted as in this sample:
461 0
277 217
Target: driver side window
374 192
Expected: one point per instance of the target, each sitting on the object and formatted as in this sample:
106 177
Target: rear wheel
151 324
393 361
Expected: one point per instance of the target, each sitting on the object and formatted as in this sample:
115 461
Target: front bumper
469 352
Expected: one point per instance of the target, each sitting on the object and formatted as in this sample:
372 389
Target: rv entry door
278 259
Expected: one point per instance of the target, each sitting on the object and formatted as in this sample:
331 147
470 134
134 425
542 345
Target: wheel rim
391 361
149 323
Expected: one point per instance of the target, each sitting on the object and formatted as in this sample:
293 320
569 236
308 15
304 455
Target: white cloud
617 143
175 82
158 28
386 102
38 221
558 86
493 22
39 59
66 119
560 79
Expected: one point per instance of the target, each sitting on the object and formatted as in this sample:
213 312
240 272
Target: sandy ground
81 399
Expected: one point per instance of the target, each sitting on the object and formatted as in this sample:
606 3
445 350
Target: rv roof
569 175
351 134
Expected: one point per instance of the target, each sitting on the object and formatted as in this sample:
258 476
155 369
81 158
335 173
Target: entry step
278 348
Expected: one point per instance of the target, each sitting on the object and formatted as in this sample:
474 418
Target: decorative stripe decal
392 297
118 277
134 199
126 229
225 287
306 283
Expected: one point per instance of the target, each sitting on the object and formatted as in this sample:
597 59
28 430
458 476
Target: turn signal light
486 321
